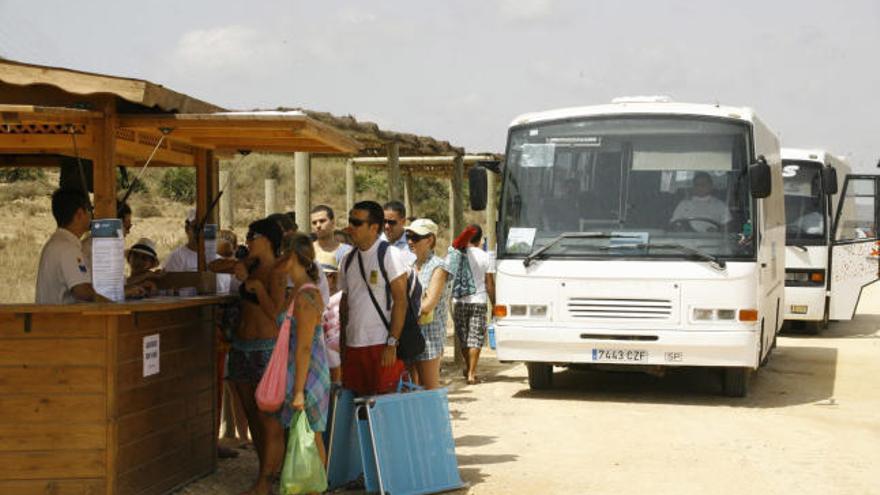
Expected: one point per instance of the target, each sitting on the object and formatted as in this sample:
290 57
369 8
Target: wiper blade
568 235
714 262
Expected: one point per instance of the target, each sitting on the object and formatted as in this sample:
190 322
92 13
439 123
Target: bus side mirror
829 179
760 178
478 187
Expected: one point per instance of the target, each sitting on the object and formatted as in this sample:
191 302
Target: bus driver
701 212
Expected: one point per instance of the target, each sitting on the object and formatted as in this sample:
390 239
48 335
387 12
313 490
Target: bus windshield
805 202
637 186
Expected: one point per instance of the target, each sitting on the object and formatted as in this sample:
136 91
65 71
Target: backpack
411 342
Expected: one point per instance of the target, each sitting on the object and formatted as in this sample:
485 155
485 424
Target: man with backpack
373 278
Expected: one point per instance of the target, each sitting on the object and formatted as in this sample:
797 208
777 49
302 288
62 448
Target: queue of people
344 295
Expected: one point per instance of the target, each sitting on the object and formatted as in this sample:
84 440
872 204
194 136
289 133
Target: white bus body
637 289
816 292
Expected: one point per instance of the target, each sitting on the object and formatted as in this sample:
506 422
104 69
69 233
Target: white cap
423 226
144 246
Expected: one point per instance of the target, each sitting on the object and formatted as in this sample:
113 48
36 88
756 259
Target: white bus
641 233
826 263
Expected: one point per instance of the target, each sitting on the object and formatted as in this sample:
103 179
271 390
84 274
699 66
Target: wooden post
393 171
452 232
456 193
270 186
202 159
104 163
350 179
302 173
408 194
491 209
227 210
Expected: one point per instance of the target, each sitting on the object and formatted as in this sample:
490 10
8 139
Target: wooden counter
77 416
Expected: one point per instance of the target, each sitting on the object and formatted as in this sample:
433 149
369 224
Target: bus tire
540 376
735 381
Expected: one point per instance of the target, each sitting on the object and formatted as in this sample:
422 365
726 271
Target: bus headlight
714 314
522 311
538 311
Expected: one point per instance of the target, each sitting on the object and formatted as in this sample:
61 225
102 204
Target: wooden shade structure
80 412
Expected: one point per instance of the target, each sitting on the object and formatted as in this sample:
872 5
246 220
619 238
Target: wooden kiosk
77 413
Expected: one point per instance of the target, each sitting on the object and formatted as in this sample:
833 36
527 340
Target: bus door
854 261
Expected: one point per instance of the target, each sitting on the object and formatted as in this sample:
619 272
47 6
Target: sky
462 70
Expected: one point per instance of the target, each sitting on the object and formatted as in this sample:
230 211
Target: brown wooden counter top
131 306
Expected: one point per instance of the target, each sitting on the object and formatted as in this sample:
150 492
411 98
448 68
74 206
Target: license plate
619 356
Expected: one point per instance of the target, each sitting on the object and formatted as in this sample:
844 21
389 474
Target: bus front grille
619 309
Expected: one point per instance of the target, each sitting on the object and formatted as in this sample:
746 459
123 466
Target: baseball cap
423 226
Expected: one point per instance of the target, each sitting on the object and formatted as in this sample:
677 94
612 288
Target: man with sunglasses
395 230
369 348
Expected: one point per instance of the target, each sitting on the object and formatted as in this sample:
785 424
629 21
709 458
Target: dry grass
27 222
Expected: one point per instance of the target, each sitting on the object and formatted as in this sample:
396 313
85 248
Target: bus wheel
735 381
540 376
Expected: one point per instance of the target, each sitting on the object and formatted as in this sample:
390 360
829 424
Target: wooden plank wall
165 422
53 410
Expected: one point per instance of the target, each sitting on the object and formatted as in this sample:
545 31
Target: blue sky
462 70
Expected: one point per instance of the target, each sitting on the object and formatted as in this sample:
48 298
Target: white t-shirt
62 267
184 259
481 263
365 327
702 207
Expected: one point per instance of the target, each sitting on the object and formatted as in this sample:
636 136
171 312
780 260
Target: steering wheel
687 224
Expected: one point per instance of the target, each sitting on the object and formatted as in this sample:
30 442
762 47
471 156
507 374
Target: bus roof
636 106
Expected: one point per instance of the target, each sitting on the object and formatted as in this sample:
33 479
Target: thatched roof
375 140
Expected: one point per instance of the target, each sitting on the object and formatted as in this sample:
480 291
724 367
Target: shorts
248 359
363 373
470 324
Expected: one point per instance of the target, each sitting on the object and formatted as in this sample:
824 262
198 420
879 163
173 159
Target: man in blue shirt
394 229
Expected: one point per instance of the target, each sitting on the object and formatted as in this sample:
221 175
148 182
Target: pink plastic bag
273 385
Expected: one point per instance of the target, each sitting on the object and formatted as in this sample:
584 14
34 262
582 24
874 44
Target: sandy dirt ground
811 425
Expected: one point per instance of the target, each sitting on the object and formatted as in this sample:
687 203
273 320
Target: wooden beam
104 162
393 171
277 149
140 151
44 143
408 194
350 182
35 114
257 143
457 193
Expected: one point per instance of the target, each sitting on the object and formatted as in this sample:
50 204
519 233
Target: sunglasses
391 223
412 236
252 236
356 222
